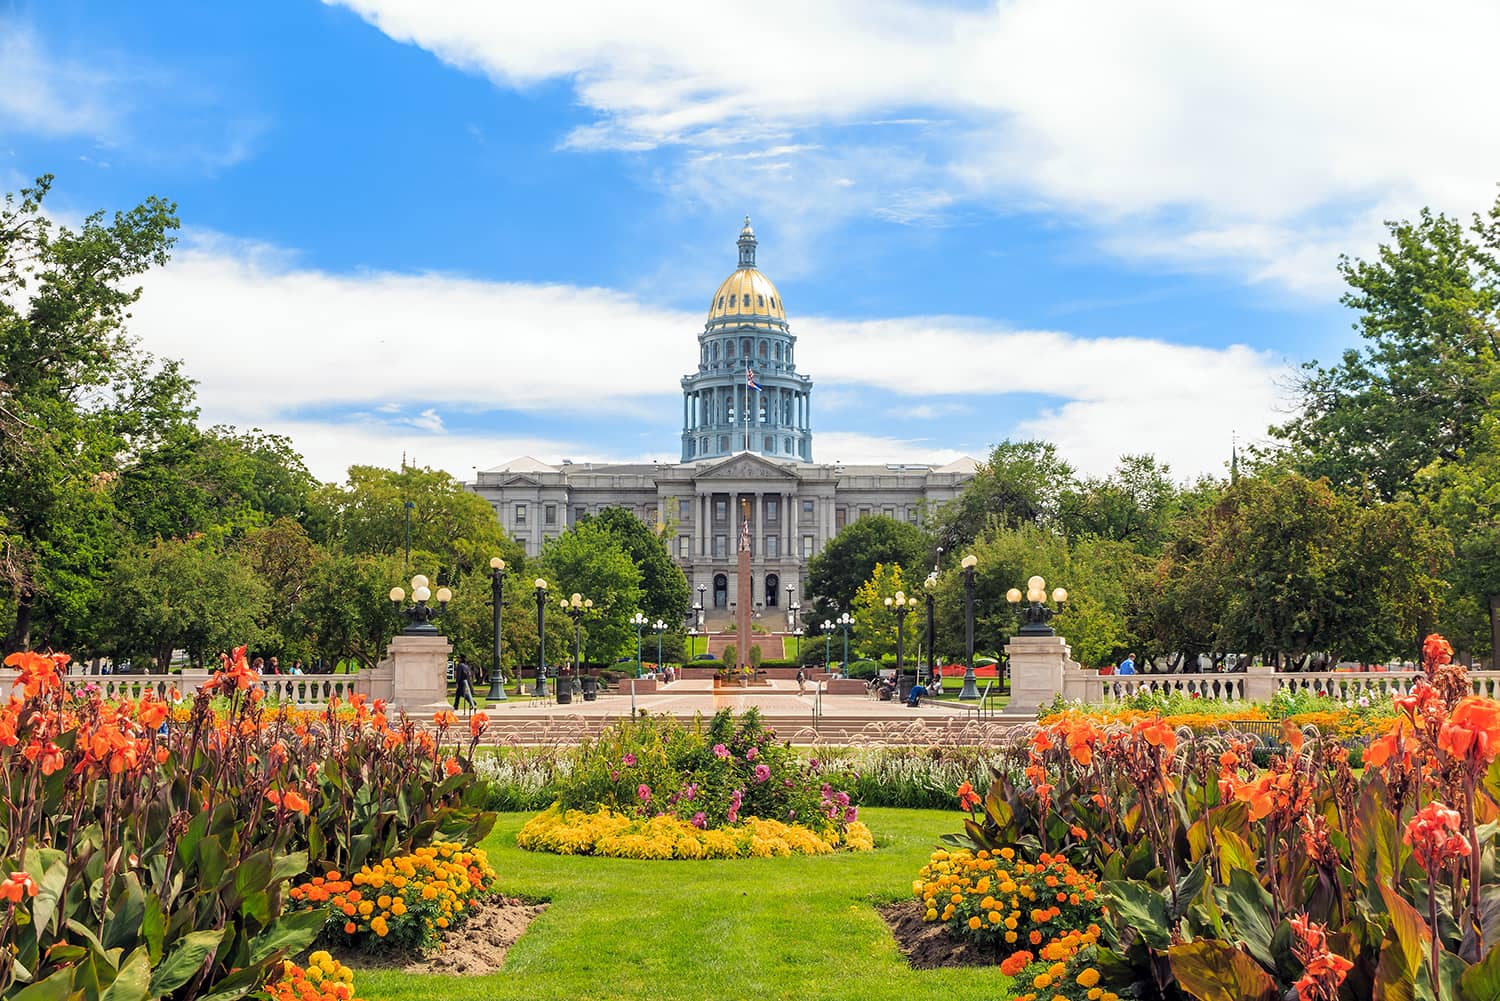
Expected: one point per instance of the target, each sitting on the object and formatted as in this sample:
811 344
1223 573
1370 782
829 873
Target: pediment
746 467
520 481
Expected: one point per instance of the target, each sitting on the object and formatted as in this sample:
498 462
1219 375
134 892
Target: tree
1134 504
346 613
835 574
77 395
664 588
1023 482
588 560
1429 312
874 623
470 624
183 594
453 530
285 560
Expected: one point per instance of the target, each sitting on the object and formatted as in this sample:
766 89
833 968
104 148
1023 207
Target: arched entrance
721 591
773 584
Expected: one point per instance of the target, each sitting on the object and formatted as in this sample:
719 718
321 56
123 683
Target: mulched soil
928 946
476 948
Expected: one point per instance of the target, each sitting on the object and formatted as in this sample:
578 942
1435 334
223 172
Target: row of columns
701 407
787 523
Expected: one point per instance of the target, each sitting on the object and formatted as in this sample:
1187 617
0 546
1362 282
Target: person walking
1127 666
463 677
801 682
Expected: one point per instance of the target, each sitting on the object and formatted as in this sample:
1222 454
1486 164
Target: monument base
414 673
1036 671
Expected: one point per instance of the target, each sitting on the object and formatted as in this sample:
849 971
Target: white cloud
43 94
388 361
1259 137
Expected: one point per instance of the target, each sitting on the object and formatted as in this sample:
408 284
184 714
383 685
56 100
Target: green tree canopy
1022 482
836 573
664 588
587 559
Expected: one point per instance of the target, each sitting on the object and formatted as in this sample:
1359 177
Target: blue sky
469 231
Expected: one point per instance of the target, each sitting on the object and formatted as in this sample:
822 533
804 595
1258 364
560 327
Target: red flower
968 799
1436 651
1434 838
17 886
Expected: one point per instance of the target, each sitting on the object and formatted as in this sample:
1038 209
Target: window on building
729 350
549 514
788 443
520 514
721 591
721 509
773 508
721 546
864 510
723 442
912 515
773 547
889 512
840 518
731 302
745 347
760 300
684 546
684 508
778 352
773 585
809 508
578 513
807 546
768 444
714 353
721 302
765 351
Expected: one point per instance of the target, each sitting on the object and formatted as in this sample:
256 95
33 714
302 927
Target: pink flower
720 751
762 772
629 759
851 814
690 791
644 792
751 754
699 820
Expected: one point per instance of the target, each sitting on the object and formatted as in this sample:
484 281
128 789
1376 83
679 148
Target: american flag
750 379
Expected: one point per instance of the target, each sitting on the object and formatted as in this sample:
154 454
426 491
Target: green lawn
794 928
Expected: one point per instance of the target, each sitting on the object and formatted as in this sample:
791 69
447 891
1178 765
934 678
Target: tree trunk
19 637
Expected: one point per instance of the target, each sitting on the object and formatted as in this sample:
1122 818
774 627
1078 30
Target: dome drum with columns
746 332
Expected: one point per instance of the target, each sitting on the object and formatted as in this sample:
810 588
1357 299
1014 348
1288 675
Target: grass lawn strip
793 928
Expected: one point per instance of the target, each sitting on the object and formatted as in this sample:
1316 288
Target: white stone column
1036 671
760 528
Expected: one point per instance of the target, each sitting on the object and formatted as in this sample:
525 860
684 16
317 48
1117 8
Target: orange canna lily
477 724
18 886
1472 730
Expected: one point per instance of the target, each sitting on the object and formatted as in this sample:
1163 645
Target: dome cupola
747 297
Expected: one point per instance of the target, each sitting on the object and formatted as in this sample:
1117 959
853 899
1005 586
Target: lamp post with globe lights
575 607
660 627
1036 613
497 597
828 628
971 687
929 588
540 691
640 622
845 623
419 615
901 606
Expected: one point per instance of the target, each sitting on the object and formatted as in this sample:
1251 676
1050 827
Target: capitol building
747 438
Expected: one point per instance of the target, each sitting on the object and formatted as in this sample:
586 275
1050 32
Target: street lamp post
930 587
791 616
660 628
844 622
971 687
575 607
638 620
700 606
827 637
420 615
902 606
497 597
540 691
1037 613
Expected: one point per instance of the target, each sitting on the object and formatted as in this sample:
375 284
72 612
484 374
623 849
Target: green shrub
863 669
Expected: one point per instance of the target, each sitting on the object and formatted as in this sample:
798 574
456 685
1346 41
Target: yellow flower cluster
605 832
323 979
1000 899
1056 977
412 897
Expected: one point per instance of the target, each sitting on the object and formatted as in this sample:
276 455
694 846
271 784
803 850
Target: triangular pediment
746 466
516 481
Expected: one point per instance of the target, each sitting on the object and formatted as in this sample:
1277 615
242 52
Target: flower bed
1222 879
652 788
1355 720
404 901
323 979
147 852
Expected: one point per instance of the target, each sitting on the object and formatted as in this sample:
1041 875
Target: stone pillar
1036 671
760 528
418 672
745 597
1260 682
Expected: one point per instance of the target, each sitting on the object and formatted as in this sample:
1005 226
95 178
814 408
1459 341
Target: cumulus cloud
358 368
1260 139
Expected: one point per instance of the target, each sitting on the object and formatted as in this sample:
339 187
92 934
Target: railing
301 690
1260 684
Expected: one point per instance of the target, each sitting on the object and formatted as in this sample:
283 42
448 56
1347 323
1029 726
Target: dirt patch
927 945
476 948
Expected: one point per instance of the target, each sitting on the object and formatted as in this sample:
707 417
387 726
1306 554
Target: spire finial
747 245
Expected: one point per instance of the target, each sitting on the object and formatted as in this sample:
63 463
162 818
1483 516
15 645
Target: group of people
1126 666
273 666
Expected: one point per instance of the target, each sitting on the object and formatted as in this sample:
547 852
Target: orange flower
443 720
452 767
1260 795
477 724
1157 733
968 799
1015 963
38 672
1472 730
1436 651
17 886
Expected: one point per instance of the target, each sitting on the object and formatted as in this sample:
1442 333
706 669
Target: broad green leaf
58 987
133 981
1188 888
1138 906
124 924
1213 970
289 935
287 866
1234 853
185 959
1247 905
1481 982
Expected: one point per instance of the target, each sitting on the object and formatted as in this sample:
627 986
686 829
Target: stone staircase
533 729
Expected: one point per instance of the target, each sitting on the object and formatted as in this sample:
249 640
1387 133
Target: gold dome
747 297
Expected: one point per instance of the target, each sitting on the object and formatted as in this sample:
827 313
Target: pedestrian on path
801 682
463 676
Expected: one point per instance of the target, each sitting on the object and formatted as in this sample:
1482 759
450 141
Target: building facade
742 447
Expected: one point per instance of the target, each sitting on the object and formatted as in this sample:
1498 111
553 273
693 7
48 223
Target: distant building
739 443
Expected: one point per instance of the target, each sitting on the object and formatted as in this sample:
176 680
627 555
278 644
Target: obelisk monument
745 591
